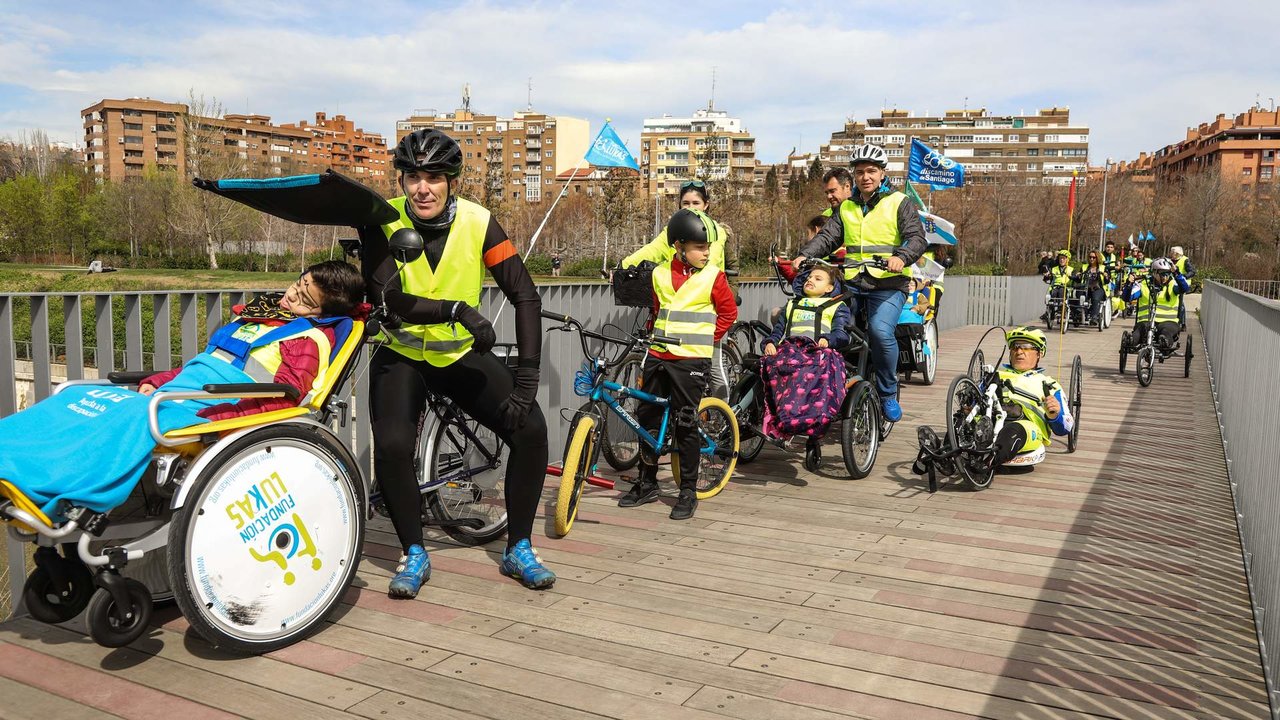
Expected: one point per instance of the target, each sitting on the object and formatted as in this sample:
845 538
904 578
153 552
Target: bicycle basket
633 286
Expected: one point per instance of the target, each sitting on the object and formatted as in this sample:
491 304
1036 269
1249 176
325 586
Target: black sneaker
685 506
639 494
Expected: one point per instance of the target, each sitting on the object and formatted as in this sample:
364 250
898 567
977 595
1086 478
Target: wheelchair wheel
53 602
466 464
750 419
268 537
1186 368
1145 366
579 459
976 362
930 371
1075 391
718 426
1125 339
619 443
860 431
113 626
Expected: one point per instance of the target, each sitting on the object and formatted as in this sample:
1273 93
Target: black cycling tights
1009 442
478 384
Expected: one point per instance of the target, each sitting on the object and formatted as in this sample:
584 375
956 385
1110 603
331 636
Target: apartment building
1244 149
709 145
336 142
1026 149
522 155
123 137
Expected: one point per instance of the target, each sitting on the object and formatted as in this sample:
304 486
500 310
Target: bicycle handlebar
633 342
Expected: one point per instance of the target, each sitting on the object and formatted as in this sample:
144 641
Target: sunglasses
1025 346
692 184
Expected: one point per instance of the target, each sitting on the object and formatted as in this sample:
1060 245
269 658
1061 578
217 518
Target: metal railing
1269 289
1242 339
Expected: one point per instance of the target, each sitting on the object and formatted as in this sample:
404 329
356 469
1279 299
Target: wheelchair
1150 347
913 338
253 525
975 416
1073 312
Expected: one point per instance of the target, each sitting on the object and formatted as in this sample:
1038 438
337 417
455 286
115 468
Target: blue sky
1137 73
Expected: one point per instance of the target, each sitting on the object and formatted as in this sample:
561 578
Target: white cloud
1137 73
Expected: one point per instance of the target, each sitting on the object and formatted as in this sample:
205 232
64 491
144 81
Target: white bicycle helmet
869 153
1162 265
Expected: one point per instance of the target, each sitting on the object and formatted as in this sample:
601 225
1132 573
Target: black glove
476 324
515 409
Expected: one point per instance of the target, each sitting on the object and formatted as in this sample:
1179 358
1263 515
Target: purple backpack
804 388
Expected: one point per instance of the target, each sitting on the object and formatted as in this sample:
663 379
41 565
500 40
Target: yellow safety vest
874 234
1031 382
458 276
1181 265
1059 275
807 317
1166 302
659 252
264 362
687 314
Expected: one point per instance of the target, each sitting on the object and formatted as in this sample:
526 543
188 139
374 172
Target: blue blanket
90 444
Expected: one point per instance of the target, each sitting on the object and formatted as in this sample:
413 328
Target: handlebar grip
663 340
558 317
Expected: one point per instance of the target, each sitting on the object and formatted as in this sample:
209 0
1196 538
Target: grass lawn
47 278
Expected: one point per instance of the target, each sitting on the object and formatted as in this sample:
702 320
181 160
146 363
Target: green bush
1212 272
538 264
587 267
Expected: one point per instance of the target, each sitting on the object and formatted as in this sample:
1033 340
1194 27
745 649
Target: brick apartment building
709 145
339 144
1245 149
522 155
1025 149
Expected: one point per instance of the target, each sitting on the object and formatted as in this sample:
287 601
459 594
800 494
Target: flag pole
1062 307
1102 231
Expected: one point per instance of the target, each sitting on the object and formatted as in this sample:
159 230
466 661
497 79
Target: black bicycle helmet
428 150
688 226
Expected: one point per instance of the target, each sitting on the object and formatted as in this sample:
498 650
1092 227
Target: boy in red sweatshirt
693 303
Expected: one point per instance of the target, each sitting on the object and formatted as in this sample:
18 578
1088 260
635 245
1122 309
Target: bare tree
211 153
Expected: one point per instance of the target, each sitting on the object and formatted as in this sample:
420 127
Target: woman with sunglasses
1093 279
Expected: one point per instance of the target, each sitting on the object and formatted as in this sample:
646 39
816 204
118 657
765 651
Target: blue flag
607 150
1142 236
1151 237
1109 225
933 168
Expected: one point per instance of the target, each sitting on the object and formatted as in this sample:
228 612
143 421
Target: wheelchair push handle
288 391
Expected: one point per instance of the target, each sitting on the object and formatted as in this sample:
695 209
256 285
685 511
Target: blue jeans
883 308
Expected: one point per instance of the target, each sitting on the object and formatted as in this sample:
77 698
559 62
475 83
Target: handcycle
717 425
1071 309
975 417
1150 347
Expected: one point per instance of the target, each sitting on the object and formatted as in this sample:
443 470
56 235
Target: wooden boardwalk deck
1108 583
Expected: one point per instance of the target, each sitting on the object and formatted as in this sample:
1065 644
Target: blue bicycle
716 424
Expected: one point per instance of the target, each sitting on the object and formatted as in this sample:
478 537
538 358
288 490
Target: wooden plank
23 701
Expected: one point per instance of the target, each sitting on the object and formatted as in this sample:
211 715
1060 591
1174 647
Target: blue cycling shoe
414 569
892 410
522 563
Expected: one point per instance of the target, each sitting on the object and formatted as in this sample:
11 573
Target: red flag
1071 198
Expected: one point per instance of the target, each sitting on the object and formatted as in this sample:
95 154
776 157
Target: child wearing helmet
1160 293
692 302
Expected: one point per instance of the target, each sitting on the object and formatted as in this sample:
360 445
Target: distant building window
1264 173
1247 153
1247 172
516 154
1051 152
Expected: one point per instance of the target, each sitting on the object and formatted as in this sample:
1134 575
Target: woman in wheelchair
1035 404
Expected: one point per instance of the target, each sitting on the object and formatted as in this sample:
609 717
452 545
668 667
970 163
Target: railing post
188 312
133 331
162 358
73 334
41 369
106 356
8 364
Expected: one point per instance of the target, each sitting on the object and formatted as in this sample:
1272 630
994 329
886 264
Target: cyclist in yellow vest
876 222
442 342
1183 265
1161 293
693 303
1059 279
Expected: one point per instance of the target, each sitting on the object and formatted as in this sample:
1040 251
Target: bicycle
716 424
1150 347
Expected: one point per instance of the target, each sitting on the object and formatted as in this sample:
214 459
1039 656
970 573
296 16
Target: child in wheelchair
277 338
802 368
1036 410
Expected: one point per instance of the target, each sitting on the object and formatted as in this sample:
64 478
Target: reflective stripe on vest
805 319
873 234
458 276
1165 305
1031 382
687 314
264 361
666 251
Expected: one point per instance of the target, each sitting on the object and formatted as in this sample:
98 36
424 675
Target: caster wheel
49 603
112 626
812 459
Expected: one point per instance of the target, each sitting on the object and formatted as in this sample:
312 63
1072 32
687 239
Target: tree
210 153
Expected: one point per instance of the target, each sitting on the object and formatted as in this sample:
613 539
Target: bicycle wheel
1075 391
976 361
973 436
860 431
1146 365
579 459
719 455
1125 339
1186 368
931 360
618 442
750 417
468 463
